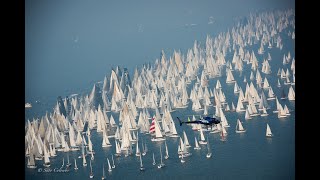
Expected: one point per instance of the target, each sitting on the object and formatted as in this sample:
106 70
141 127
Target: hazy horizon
70 44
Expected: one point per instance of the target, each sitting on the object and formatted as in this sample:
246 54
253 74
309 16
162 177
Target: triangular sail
268 131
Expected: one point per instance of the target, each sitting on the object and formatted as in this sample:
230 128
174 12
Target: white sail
75 164
236 88
230 78
240 107
173 129
202 138
158 130
185 138
46 157
224 120
52 150
268 131
291 94
31 162
167 152
239 127
247 115
218 85
279 84
112 121
232 107
266 83
209 153
105 141
264 112
196 144
137 147
286 110
205 112
271 95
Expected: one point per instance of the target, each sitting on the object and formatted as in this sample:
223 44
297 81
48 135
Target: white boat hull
32 166
157 139
242 131
108 145
203 142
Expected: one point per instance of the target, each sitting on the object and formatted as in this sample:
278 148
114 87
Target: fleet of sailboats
157 91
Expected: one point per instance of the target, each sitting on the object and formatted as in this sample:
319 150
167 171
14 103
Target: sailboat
167 152
209 154
62 163
154 161
103 175
202 139
68 163
113 165
46 158
145 149
82 148
185 138
182 160
233 107
291 94
92 156
75 165
105 140
155 127
239 127
279 84
161 163
268 131
31 163
137 149
84 162
223 130
118 149
196 144
141 165
91 173
264 112
109 166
